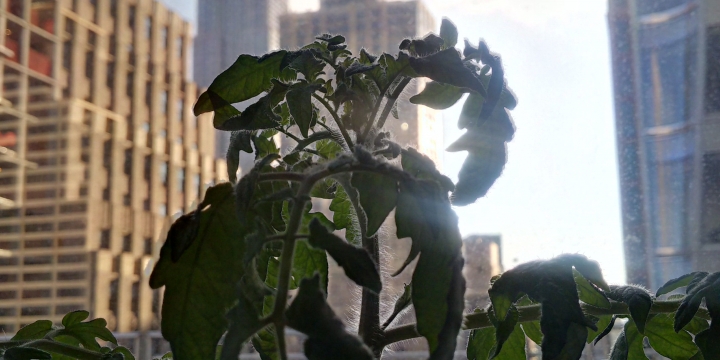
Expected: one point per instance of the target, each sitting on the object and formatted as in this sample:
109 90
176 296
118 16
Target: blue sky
559 191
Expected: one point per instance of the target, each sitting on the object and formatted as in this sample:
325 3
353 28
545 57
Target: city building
98 147
226 29
666 72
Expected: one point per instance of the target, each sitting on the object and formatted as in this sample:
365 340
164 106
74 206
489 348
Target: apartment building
98 148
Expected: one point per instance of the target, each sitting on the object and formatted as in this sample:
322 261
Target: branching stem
480 319
339 122
392 98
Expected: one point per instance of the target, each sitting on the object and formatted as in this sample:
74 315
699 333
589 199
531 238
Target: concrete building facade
666 72
98 147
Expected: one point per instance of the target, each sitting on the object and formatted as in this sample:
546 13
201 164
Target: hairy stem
339 122
392 98
480 319
369 327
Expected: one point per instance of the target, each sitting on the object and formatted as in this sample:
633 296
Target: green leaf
514 347
125 352
331 39
200 286
310 314
328 148
356 262
25 353
696 325
317 136
378 196
424 214
300 105
480 343
668 343
422 167
305 62
604 323
638 301
448 32
246 78
265 144
257 116
588 293
707 288
470 113
679 282
707 341
532 331
447 67
401 303
36 330
87 332
244 323
634 340
438 95
574 342
75 317
504 328
344 216
239 141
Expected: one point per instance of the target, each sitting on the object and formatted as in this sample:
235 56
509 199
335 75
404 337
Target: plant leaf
532 331
707 341
378 196
470 114
247 77
446 67
200 286
424 214
668 343
638 300
305 62
356 262
679 282
588 293
604 324
125 352
257 116
239 141
480 343
707 288
310 314
448 32
25 353
422 167
36 330
300 105
437 95
87 332
401 303
503 329
244 323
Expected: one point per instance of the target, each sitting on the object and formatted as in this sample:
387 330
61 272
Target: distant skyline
559 192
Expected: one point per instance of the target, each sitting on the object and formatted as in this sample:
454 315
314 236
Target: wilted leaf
327 338
447 67
438 95
356 262
378 196
638 301
200 286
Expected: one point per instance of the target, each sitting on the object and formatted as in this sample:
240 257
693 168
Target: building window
711 198
129 84
38 243
72 258
105 239
64 309
181 180
37 277
71 242
35 311
29 228
6 278
71 275
37 260
148 27
71 292
162 209
72 225
8 294
163 172
127 243
147 248
164 37
163 102
35 293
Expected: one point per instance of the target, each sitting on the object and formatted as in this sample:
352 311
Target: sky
559 191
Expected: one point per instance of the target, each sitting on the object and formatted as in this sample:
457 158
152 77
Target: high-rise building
666 72
98 146
226 29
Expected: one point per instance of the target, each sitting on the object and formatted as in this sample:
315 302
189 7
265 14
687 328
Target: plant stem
283 237
392 98
282 176
369 327
339 122
480 319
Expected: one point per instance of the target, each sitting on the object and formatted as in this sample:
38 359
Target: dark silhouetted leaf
36 330
199 287
244 323
604 325
257 116
707 288
327 338
421 167
588 293
401 303
438 95
447 67
378 196
25 353
629 345
239 141
331 39
122 351
300 105
305 62
638 300
668 343
679 282
423 213
707 341
356 262
448 32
